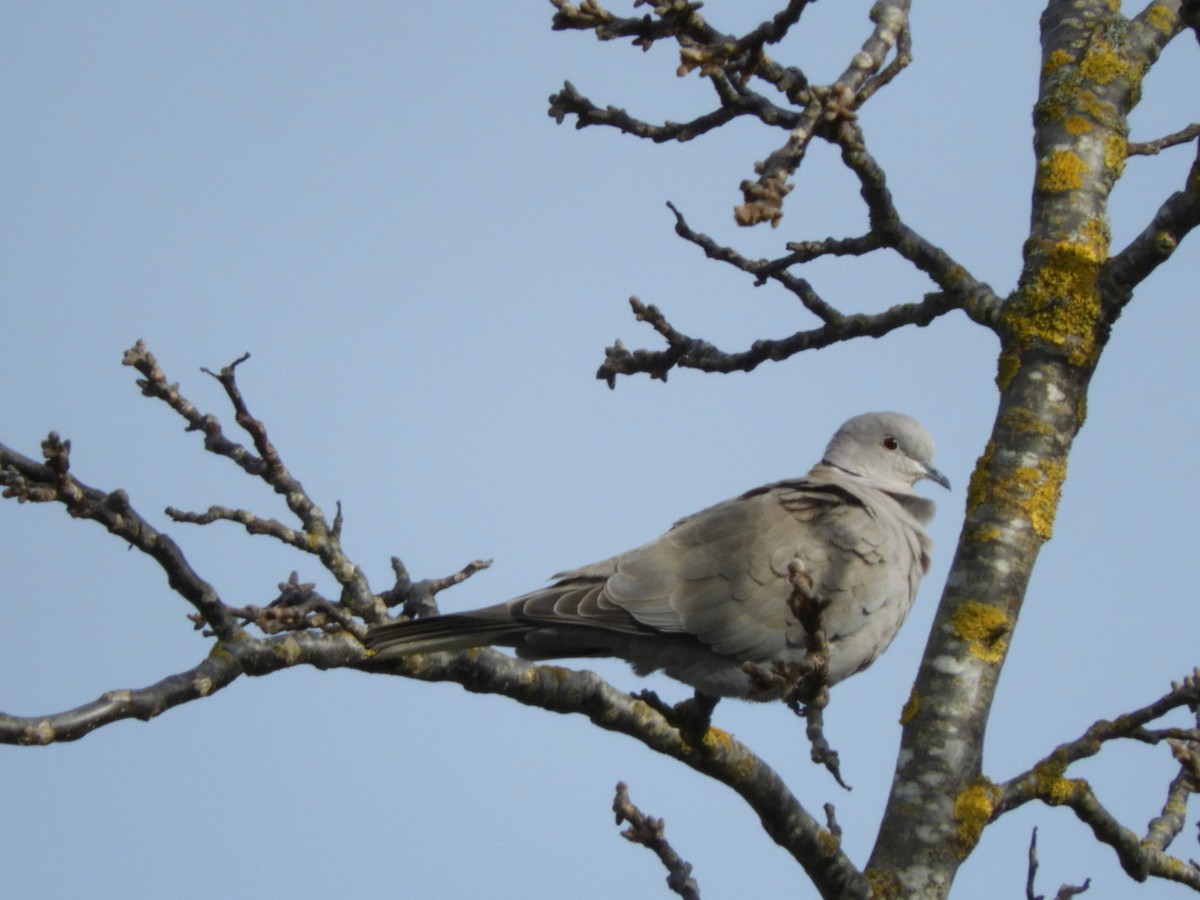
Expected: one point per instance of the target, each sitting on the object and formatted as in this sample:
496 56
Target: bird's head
891 450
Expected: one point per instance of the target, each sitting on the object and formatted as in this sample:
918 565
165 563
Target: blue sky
371 200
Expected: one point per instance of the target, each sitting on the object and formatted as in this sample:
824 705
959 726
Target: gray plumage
713 592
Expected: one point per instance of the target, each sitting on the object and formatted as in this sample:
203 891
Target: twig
804 685
1173 220
1140 856
214 673
648 831
252 523
298 608
319 536
30 482
417 597
692 353
1150 148
1064 893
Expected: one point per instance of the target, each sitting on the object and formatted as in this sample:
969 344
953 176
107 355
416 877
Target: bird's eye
890 443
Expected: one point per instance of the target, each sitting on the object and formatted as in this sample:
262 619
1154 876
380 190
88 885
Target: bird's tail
453 632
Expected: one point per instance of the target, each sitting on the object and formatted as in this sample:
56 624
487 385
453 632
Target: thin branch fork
730 62
319 536
1064 893
692 353
1172 222
649 832
1151 148
28 481
1140 856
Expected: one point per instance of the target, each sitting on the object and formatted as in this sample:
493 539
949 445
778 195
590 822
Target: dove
710 601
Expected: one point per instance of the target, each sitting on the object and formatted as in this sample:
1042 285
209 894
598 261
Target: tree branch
691 353
1151 148
1158 241
30 482
827 105
1064 893
649 832
215 672
319 536
1140 856
713 752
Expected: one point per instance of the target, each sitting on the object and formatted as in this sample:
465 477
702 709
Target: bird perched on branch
714 601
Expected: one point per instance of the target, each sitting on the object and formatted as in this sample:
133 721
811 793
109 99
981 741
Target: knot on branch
418 598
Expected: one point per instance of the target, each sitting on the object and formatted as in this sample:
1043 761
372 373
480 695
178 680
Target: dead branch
1141 856
649 832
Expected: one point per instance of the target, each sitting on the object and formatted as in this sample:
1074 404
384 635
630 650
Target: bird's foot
691 717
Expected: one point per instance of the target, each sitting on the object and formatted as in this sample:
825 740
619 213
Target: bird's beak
934 475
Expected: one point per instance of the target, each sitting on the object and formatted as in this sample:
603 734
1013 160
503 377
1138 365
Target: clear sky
370 198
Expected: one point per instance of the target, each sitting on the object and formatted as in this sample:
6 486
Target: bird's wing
721 575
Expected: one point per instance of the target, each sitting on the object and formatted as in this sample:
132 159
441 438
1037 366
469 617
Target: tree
1052 330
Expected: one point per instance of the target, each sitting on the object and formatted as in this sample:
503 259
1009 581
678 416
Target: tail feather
453 632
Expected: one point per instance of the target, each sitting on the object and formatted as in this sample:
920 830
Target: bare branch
319 536
155 384
730 63
827 106
569 101
713 752
1177 216
1140 856
252 523
417 597
775 29
1064 893
27 481
215 672
298 608
1151 148
226 661
775 270
692 353
648 831
809 695
976 297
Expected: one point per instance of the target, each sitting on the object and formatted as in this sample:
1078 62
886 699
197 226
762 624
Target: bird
710 602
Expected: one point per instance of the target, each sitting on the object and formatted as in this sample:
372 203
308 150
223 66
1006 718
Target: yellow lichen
828 843
716 738
884 885
977 487
1020 418
1029 492
984 628
1161 18
983 535
1060 303
1051 784
1102 111
287 650
911 706
1006 368
1102 65
1061 170
1096 234
1040 488
1077 125
1114 154
1056 60
973 809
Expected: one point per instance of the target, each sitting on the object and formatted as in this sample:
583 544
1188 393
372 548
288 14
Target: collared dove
714 592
